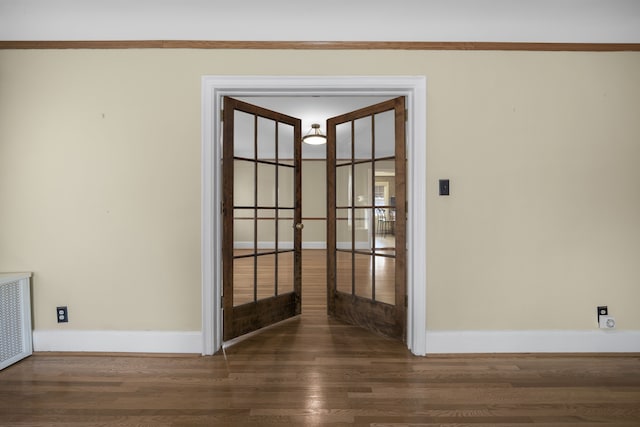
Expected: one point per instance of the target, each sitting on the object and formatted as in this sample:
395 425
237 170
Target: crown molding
318 45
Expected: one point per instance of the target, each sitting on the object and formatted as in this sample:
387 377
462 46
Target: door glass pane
385 134
380 219
343 229
266 281
385 172
285 142
385 201
363 139
266 139
385 270
343 186
243 134
242 280
362 183
385 241
344 272
266 232
363 230
243 231
286 178
266 185
243 183
363 265
343 143
285 231
285 272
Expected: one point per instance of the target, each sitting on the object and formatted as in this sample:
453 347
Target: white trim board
596 341
414 88
118 341
439 342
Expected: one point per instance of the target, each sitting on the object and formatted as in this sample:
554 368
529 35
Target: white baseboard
438 342
118 341
314 245
596 341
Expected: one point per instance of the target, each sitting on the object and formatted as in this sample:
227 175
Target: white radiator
15 318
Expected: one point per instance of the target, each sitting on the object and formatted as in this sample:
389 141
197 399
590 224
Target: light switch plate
444 187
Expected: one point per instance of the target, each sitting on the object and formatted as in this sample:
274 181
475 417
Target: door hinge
406 301
222 115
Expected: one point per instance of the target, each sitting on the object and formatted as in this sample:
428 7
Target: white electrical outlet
607 322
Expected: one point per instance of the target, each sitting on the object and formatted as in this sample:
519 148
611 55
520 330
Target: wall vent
15 318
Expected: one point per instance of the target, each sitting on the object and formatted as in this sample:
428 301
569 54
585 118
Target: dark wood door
366 225
261 217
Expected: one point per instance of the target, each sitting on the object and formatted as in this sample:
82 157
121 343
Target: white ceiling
572 21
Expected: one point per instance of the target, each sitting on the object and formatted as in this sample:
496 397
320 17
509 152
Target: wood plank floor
311 371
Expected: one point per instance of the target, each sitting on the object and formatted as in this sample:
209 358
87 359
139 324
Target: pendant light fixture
314 136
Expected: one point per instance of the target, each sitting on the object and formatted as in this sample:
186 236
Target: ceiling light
314 136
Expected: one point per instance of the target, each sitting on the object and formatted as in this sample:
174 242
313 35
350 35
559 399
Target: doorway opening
298 92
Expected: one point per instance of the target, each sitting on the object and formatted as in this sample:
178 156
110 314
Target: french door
262 228
366 224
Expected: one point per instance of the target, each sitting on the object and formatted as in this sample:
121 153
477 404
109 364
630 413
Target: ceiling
547 21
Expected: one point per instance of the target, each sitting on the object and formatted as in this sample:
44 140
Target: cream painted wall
100 181
314 201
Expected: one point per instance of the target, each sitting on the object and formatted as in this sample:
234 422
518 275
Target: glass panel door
367 215
261 199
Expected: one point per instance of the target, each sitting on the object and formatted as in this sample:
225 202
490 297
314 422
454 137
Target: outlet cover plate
62 314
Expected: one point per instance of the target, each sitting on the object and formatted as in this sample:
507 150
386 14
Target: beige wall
314 201
100 181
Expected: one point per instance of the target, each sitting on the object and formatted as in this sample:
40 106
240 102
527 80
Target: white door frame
215 87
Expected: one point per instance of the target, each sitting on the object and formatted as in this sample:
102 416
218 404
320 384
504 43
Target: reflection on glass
364 282
285 232
385 270
266 279
242 280
363 229
243 183
343 143
286 187
385 134
285 272
285 142
363 138
362 184
344 270
266 139
385 170
266 235
343 186
243 231
343 229
266 185
243 135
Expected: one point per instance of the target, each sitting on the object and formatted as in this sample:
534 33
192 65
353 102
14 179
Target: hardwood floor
312 370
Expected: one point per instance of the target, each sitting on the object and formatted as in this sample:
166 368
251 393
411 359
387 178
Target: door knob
299 226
